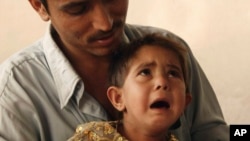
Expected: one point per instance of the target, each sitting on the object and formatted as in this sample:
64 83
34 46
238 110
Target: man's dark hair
44 2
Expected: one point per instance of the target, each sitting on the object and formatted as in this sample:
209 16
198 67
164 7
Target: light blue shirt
40 94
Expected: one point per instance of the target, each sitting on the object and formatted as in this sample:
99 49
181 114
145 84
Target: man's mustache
104 34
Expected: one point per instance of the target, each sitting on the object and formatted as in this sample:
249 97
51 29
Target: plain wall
218 32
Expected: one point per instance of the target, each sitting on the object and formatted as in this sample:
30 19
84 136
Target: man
59 82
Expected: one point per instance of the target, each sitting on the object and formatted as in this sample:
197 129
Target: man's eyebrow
72 4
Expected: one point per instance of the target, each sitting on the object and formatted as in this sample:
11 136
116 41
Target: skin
87 30
154 75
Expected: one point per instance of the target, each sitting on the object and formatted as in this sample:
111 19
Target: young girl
149 85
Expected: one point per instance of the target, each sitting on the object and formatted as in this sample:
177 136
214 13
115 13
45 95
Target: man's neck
94 72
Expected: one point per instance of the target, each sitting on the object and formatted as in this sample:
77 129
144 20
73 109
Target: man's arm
15 128
204 113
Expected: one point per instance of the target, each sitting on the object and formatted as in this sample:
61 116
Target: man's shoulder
31 52
134 31
143 28
13 65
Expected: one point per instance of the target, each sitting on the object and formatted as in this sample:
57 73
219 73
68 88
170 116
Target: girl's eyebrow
145 65
174 66
153 63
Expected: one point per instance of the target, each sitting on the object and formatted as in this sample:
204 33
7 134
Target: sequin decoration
103 131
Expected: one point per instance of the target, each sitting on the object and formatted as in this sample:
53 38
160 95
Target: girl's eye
145 72
174 73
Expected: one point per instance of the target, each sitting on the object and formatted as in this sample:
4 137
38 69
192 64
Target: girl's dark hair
120 61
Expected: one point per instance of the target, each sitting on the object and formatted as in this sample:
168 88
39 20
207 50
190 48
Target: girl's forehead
146 48
151 54
153 50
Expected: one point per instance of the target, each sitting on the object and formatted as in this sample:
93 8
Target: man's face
92 27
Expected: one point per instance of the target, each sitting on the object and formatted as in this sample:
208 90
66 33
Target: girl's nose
161 87
161 83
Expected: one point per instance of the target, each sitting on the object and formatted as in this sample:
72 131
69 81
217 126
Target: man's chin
103 52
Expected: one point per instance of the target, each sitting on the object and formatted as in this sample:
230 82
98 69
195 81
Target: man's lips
104 39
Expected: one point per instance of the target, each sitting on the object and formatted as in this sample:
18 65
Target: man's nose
102 19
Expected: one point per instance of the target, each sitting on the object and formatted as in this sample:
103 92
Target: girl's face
154 92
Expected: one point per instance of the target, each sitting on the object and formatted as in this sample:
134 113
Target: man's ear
40 9
116 98
188 98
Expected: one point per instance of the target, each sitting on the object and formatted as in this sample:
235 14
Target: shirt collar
65 77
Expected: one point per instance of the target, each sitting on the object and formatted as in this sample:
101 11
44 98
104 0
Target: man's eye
145 72
77 9
108 0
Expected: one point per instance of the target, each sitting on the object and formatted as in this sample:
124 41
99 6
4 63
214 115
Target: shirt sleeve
203 116
13 128
19 119
204 113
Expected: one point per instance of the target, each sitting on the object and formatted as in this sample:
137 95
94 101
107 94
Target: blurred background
217 31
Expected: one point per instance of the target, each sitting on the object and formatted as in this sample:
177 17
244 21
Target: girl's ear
115 96
188 98
40 9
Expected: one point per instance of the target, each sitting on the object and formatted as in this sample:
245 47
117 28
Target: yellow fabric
97 131
103 131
